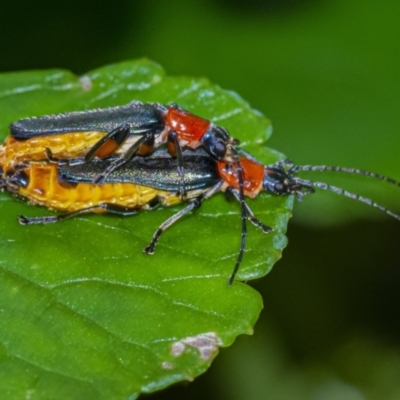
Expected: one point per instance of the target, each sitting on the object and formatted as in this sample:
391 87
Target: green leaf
83 310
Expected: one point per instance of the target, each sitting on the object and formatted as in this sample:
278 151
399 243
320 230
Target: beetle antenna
353 171
354 196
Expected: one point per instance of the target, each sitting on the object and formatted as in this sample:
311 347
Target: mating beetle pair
87 162
134 129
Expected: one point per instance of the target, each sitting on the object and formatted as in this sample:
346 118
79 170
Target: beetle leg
109 143
230 191
103 207
146 140
196 203
245 214
104 147
62 161
175 149
192 205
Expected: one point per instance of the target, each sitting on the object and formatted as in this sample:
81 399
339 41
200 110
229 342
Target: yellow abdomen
44 188
66 145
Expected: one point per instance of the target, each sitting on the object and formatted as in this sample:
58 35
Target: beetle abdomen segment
44 188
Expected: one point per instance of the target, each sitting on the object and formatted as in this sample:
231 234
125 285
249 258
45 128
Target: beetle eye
215 142
220 149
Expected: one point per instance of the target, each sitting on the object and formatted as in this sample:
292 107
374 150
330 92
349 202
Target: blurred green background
327 74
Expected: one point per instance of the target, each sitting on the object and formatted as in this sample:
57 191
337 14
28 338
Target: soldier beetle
133 129
148 182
